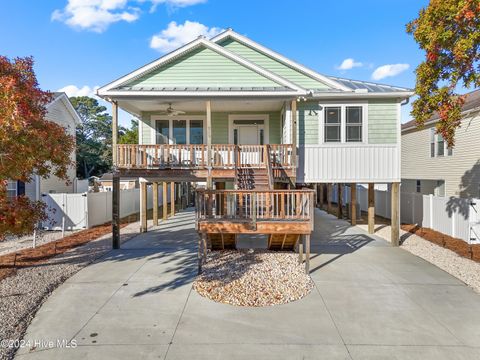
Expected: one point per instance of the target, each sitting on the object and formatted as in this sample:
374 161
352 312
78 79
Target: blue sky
86 43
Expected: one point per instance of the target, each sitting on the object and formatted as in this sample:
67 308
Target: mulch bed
469 251
33 256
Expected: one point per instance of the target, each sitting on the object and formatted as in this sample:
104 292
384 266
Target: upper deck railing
225 156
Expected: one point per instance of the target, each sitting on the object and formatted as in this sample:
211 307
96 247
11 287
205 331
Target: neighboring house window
432 142
354 123
179 131
440 145
11 189
419 186
332 124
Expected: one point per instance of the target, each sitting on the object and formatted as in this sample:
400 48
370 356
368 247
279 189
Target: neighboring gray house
59 111
429 167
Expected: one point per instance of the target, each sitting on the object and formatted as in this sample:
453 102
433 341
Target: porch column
143 206
116 211
395 221
172 198
293 109
114 132
155 203
208 107
371 208
339 201
165 201
353 203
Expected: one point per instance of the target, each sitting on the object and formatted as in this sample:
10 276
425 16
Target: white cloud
348 64
98 15
176 35
389 70
95 15
176 3
73 90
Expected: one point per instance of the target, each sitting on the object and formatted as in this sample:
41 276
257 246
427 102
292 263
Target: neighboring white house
59 111
429 167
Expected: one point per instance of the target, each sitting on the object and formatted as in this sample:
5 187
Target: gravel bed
253 278
22 294
462 268
12 244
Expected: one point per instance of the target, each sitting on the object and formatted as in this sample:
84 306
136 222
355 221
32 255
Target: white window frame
15 187
343 123
435 141
264 117
170 119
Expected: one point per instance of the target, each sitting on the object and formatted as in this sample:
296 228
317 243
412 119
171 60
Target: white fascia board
395 94
279 57
433 121
104 91
125 94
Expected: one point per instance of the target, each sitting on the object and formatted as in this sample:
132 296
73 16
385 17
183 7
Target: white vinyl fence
82 211
457 217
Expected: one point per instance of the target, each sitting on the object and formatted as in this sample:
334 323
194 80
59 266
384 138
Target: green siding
219 126
203 68
272 65
382 121
308 122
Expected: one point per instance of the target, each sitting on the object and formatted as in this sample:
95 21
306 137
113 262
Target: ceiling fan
170 111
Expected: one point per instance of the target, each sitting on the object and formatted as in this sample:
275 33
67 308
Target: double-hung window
354 123
11 189
333 124
438 145
343 123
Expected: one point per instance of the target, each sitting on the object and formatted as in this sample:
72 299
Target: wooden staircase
252 179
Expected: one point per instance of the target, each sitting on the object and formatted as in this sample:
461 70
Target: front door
248 135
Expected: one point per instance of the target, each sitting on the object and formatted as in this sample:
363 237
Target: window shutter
20 188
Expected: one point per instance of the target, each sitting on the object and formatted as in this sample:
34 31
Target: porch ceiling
136 106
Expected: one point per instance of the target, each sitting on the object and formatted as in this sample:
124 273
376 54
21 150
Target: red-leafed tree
29 144
449 33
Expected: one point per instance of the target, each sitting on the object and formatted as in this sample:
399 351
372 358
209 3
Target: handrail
198 156
269 168
255 205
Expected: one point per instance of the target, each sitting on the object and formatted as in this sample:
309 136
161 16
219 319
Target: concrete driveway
371 301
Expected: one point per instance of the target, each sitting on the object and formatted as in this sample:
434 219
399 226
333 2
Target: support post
172 198
353 203
371 208
116 212
165 201
114 132
307 253
320 199
329 198
155 203
395 221
143 206
200 253
300 249
339 201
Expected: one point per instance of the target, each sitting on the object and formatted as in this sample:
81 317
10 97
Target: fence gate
69 210
474 219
